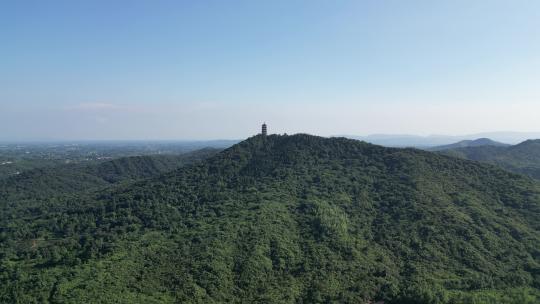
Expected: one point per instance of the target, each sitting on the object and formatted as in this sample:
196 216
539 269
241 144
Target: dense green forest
75 178
523 158
10 167
276 219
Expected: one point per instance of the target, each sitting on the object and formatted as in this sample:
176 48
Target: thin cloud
99 107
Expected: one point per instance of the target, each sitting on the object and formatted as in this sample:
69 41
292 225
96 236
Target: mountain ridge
407 140
469 143
523 158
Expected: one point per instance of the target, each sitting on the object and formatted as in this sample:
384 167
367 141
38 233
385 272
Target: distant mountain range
405 140
469 143
522 158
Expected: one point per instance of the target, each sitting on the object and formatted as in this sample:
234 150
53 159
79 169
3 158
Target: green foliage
281 219
63 179
523 158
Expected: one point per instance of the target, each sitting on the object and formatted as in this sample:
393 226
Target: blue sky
217 69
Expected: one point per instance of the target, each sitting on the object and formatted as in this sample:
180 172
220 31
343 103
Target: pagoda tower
263 131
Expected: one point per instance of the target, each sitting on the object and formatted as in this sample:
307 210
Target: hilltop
285 219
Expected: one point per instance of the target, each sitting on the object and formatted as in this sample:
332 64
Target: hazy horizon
166 70
396 140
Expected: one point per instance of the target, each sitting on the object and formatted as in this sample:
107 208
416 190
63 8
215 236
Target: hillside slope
64 179
480 142
522 158
286 219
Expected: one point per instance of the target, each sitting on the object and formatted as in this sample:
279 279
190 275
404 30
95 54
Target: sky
218 69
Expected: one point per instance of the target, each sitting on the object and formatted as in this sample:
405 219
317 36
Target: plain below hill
285 219
523 158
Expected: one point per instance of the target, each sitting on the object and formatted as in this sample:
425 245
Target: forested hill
63 179
523 158
286 219
139 167
480 142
